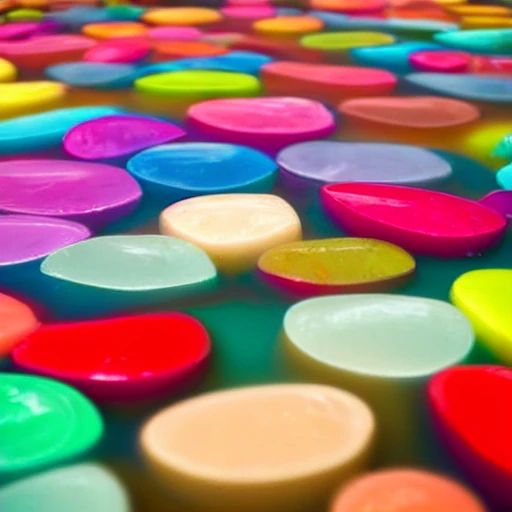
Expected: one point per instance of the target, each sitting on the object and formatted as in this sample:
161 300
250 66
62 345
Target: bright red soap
471 410
120 359
421 221
441 61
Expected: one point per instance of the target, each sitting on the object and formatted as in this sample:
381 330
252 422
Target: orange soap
405 490
17 320
181 16
288 25
169 50
114 30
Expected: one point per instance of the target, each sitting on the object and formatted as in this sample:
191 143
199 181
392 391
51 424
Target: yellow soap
8 71
485 297
181 16
277 448
288 25
234 229
477 22
24 97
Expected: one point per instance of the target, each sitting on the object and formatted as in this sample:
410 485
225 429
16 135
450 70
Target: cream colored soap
234 229
274 448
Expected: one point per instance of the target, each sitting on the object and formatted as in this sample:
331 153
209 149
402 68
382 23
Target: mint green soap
43 422
387 336
491 41
199 83
131 263
79 488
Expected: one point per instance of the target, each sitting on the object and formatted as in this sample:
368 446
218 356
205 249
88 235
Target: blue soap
491 41
42 131
504 177
76 17
238 62
197 168
393 57
468 87
97 75
289 11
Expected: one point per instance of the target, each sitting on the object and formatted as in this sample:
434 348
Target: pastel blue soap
197 168
97 75
76 17
45 130
491 41
391 57
490 89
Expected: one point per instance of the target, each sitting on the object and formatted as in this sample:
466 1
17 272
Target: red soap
441 61
492 64
120 359
421 221
471 410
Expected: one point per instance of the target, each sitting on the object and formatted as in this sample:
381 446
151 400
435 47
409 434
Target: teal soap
504 177
490 41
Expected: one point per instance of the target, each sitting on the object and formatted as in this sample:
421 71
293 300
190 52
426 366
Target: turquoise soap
493 89
504 177
240 62
100 75
504 148
492 41
41 131
196 168
124 12
391 57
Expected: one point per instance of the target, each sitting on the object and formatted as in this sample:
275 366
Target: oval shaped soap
499 200
43 422
492 41
422 112
422 221
132 263
493 89
405 490
288 25
95 194
181 16
127 358
234 229
22 97
468 405
268 122
195 82
485 297
28 238
17 320
388 336
81 488
504 177
125 51
290 445
336 265
196 168
326 161
118 135
340 41
442 61
115 30
45 130
8 71
93 74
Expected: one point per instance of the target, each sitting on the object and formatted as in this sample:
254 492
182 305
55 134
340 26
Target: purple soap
113 136
27 238
499 200
93 194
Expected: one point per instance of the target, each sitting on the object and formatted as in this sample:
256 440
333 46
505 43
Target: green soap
80 488
24 14
389 336
43 422
124 12
209 84
339 41
132 263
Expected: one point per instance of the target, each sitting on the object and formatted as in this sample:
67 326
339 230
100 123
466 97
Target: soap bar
81 488
267 122
8 72
341 41
499 200
288 25
21 97
168 50
484 296
289 446
467 404
325 161
35 413
336 265
118 51
422 221
504 177
189 169
181 16
442 61
118 135
94 194
122 359
405 490
17 320
492 41
235 229
115 30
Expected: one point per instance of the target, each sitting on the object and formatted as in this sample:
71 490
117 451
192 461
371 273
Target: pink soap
249 12
113 136
17 30
499 200
441 61
175 33
421 221
268 123
122 51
